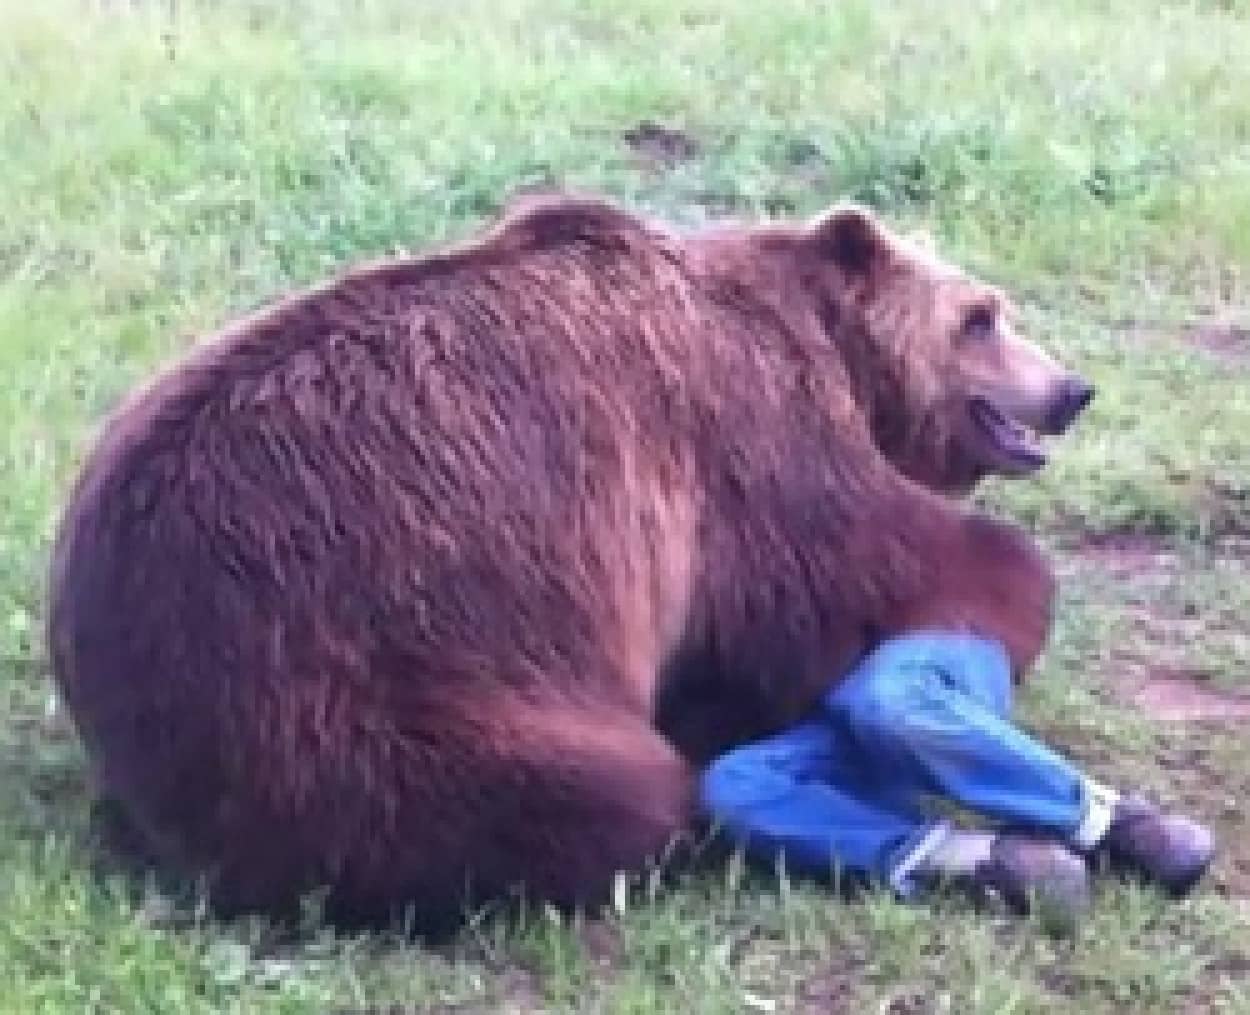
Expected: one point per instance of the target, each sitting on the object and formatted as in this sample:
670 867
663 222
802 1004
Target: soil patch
833 988
659 146
1234 546
602 944
1170 695
1220 338
1124 554
1150 673
1207 776
1225 339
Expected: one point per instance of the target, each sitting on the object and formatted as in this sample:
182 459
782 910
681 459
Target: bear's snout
1072 396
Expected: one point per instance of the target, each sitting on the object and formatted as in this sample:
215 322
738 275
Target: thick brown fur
436 580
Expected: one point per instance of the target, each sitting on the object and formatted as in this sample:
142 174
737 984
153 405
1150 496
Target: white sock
1100 804
958 853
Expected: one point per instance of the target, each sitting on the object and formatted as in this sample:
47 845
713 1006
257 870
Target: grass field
165 166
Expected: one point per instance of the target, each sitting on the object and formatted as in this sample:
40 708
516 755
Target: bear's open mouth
1017 445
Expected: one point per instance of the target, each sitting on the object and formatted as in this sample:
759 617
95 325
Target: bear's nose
1071 399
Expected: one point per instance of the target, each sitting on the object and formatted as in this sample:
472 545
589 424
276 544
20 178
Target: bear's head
952 393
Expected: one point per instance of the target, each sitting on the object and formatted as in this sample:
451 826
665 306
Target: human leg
812 796
804 794
935 709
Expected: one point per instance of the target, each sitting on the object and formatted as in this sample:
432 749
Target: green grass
166 165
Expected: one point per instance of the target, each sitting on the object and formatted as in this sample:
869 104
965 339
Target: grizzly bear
437 581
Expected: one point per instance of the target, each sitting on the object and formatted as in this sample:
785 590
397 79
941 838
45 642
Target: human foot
1028 873
1170 850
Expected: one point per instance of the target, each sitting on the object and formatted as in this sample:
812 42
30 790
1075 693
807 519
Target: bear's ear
850 237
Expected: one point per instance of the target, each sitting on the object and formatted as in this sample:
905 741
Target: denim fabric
923 717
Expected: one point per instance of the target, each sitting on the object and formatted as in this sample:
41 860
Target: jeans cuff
915 851
1098 808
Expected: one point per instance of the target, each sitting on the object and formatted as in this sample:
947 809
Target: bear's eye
979 322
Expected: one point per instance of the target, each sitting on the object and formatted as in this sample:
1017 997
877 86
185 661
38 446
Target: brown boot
1024 871
1029 873
1169 850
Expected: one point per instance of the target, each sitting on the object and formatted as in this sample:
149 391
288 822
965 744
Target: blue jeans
923 717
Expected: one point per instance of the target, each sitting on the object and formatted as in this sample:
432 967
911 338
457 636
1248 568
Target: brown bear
436 581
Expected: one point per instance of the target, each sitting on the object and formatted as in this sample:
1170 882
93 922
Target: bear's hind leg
590 797
543 803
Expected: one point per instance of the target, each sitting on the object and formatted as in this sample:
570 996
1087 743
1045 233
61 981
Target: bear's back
436 466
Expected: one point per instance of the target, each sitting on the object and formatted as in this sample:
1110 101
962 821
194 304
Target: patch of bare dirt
807 164
1221 338
515 991
909 1003
1199 763
659 146
1170 695
1208 777
831 989
1124 554
1227 340
1231 873
602 944
1234 546
1152 673
1226 502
